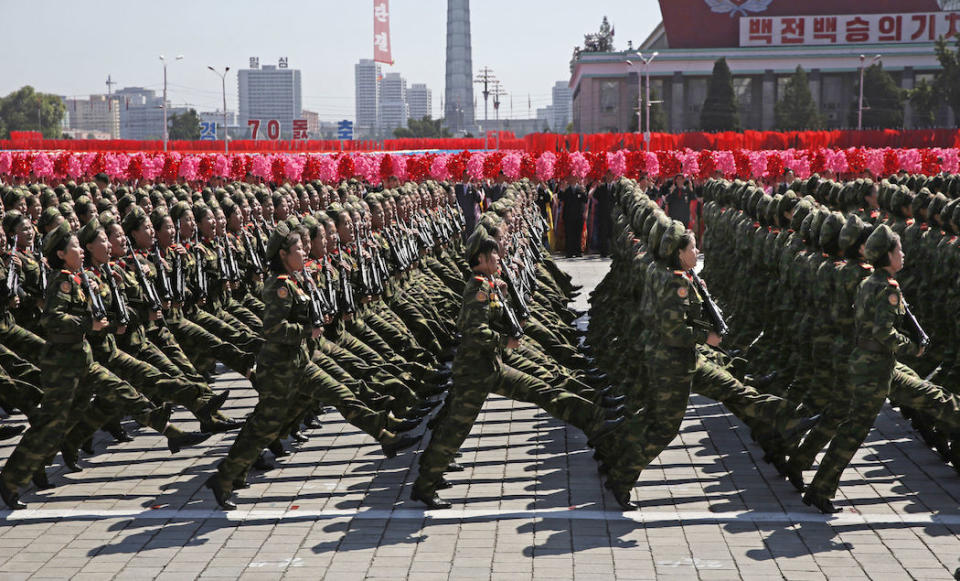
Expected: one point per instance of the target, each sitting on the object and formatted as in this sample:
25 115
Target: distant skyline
70 48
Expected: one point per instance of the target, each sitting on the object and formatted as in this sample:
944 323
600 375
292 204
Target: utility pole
223 85
860 106
110 84
164 104
486 79
497 93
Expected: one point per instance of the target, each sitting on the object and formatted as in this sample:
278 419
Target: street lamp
223 84
646 73
860 107
164 104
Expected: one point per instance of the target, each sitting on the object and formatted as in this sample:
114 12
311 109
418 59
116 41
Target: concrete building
419 101
270 92
763 46
561 107
458 94
98 114
367 98
217 117
141 113
394 111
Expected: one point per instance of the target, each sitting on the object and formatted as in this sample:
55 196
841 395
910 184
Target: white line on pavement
848 517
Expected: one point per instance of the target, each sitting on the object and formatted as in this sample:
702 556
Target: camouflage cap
850 232
672 238
473 243
134 219
280 239
47 217
879 243
11 220
655 235
89 232
920 201
830 230
55 238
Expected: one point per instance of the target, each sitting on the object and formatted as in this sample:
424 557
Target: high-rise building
419 101
367 98
562 106
99 113
393 103
141 113
458 104
270 92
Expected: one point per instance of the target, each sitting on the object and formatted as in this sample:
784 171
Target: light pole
640 100
860 107
223 84
163 105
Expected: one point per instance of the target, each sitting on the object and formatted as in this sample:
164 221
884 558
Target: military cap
55 238
850 232
936 205
280 239
89 232
655 236
830 230
11 220
819 215
879 243
473 243
134 219
671 238
920 201
47 217
899 198
11 198
107 219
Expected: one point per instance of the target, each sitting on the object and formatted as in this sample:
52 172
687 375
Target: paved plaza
529 506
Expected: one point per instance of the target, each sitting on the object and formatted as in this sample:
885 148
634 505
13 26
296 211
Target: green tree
185 126
797 111
947 81
882 100
27 110
426 127
657 117
719 111
925 103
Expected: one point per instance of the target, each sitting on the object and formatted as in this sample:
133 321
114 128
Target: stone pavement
529 506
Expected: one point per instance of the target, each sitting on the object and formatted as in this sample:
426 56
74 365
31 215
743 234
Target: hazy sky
69 47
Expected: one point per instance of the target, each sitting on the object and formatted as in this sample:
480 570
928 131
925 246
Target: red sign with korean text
848 29
717 23
382 51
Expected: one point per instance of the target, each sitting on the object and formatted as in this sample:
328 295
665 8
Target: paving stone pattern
529 506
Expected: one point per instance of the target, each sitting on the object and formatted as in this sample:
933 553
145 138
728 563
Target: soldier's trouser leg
25 343
870 376
463 402
66 392
18 367
165 353
18 394
199 342
329 391
156 385
356 386
909 389
226 332
278 393
672 371
832 405
245 316
563 405
752 407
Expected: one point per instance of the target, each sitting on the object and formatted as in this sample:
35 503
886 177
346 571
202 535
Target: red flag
381 32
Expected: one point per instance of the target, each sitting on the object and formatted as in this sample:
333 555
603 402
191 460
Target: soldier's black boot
176 439
821 503
455 467
430 498
219 494
116 430
261 463
622 496
70 458
87 447
213 404
393 445
795 475
7 432
11 498
40 480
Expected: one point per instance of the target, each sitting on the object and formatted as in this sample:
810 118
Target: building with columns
763 43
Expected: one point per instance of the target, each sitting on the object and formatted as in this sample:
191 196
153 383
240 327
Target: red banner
382 52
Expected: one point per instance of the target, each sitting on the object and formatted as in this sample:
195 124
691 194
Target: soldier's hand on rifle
923 349
513 343
14 302
121 329
714 340
316 332
15 261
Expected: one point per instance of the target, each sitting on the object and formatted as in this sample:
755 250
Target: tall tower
458 101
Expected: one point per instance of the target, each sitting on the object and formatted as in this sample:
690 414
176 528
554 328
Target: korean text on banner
381 32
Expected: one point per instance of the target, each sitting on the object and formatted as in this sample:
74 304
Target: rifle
522 311
261 249
166 287
516 329
255 259
13 275
97 309
179 281
710 307
913 327
119 301
316 304
150 291
232 267
330 290
222 266
43 266
203 285
347 302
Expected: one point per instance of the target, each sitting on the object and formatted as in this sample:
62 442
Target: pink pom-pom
617 163
545 165
910 160
400 167
328 168
189 166
42 165
758 164
690 163
6 162
837 161
262 166
579 165
293 167
475 166
438 167
874 159
651 166
725 163
510 165
951 160
221 166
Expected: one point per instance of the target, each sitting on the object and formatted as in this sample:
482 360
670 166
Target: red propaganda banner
381 32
